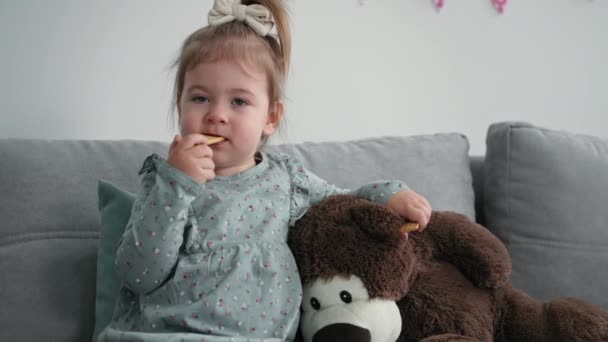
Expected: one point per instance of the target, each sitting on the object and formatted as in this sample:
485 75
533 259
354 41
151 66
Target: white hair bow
257 17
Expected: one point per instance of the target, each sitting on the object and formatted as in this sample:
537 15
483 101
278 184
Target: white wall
80 69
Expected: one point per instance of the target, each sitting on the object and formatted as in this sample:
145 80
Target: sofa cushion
546 196
114 208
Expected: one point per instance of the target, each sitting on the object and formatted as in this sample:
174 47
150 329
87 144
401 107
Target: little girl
204 255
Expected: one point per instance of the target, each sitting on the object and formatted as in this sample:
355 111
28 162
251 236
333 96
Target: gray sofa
544 193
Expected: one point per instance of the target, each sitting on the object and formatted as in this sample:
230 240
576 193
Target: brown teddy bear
366 281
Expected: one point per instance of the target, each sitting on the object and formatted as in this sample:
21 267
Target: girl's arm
309 189
378 191
149 248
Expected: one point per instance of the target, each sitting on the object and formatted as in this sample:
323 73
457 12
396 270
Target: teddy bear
366 281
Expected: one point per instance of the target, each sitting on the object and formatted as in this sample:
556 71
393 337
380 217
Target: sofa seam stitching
12 240
527 241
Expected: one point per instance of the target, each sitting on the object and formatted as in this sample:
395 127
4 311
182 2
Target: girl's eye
239 102
201 99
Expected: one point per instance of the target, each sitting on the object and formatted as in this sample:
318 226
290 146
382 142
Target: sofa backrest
50 224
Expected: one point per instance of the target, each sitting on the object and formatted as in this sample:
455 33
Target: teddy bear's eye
314 302
346 297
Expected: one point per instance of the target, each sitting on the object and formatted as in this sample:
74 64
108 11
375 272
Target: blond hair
237 42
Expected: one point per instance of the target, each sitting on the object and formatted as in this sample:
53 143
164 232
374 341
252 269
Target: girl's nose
217 114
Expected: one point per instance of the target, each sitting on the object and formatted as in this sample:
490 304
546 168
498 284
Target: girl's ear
275 115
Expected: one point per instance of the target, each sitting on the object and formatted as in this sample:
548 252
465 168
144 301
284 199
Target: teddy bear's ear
377 221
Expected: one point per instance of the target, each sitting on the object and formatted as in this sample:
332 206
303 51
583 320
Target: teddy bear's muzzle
342 332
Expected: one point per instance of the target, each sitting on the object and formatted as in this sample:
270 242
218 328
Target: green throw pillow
114 208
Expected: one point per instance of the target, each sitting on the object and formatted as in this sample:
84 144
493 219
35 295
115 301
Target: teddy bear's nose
342 332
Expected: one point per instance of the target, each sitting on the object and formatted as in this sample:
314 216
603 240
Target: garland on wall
498 4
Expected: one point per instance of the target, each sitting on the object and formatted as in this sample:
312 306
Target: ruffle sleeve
306 188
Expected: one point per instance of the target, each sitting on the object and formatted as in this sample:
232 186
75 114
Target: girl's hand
192 156
411 206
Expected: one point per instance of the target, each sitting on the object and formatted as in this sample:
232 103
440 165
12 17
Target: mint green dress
210 262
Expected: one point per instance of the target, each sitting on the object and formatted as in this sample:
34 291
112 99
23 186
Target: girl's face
227 100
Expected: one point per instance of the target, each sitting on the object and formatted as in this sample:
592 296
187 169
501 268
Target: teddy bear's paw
485 275
576 320
449 338
492 279
476 252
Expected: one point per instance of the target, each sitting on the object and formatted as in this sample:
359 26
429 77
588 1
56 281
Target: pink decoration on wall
500 5
438 4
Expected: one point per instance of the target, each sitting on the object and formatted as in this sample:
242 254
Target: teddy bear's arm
476 252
